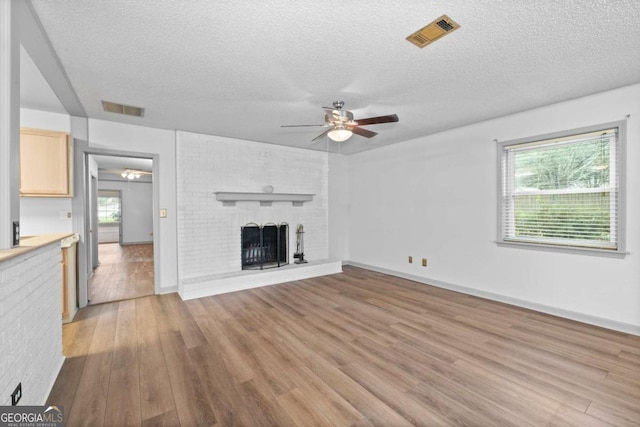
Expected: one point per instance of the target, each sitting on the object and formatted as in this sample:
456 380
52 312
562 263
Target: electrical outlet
16 233
424 262
16 395
410 259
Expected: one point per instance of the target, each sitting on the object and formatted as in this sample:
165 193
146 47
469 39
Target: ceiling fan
342 125
127 173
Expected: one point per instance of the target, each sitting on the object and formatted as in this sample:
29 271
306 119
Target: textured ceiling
241 69
119 162
35 93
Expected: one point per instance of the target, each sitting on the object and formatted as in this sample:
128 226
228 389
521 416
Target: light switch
163 212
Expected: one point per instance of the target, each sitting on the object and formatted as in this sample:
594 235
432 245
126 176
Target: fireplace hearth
264 246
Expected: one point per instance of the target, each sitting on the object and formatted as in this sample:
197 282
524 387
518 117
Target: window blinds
562 191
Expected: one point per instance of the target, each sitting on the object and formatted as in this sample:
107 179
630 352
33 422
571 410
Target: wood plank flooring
352 349
124 272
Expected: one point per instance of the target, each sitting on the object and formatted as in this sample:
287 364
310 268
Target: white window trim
621 165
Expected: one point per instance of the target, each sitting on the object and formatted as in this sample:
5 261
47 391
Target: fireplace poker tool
299 255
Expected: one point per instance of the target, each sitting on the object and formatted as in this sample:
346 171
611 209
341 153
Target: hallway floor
124 272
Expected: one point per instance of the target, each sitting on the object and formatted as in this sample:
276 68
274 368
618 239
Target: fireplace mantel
266 199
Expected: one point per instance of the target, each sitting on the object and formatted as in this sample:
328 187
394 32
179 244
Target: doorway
123 231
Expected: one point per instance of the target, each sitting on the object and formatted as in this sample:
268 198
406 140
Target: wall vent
432 32
114 107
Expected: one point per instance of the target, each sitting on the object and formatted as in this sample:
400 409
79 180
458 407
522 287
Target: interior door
93 232
80 220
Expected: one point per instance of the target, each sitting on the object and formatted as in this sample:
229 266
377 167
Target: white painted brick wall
209 233
30 324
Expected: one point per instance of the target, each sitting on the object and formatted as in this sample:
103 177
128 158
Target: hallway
124 272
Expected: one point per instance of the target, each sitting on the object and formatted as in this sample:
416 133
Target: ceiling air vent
113 107
432 32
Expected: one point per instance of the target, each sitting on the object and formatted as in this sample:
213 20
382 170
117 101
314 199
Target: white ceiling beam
39 47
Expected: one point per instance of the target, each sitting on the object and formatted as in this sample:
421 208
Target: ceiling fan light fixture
342 125
339 134
131 174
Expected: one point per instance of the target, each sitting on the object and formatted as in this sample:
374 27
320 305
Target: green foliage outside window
566 166
562 190
564 216
109 210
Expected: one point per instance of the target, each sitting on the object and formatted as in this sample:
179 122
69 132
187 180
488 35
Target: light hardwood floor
357 348
124 272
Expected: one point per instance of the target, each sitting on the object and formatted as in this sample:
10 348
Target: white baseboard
168 290
144 242
567 314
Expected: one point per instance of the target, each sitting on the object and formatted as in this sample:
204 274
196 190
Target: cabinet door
44 163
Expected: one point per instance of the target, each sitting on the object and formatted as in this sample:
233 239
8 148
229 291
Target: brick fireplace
210 252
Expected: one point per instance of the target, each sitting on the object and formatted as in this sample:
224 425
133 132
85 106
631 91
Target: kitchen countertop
31 243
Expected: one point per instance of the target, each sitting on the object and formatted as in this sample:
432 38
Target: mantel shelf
265 199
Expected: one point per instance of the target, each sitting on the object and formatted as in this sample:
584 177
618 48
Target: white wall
118 136
109 233
435 197
45 120
44 215
136 209
30 324
209 233
338 207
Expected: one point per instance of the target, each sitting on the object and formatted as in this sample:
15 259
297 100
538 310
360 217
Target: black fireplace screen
264 246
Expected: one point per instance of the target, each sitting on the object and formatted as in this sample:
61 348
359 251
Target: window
108 207
564 190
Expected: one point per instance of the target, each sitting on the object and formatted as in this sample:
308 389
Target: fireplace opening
264 246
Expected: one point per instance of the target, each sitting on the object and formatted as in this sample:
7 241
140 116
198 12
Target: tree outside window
562 191
109 211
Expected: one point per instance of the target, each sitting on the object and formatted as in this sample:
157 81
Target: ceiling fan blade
322 135
375 120
303 126
363 132
331 113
